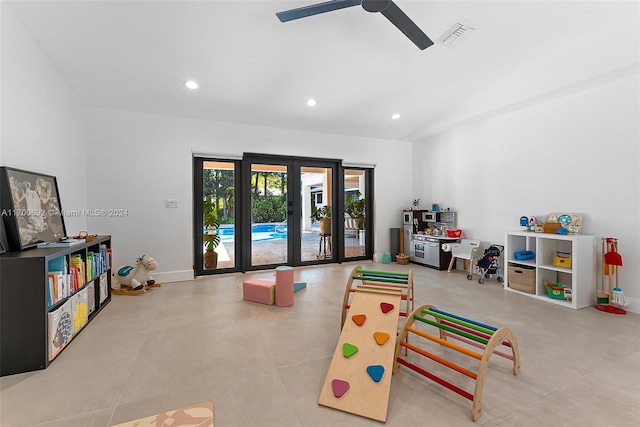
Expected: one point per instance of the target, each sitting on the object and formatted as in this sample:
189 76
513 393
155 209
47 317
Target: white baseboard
634 306
173 276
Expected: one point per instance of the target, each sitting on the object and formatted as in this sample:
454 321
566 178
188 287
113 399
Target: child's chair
468 250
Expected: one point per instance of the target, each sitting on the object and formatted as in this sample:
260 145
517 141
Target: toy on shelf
562 259
473 333
557 291
613 300
134 280
524 255
563 223
527 222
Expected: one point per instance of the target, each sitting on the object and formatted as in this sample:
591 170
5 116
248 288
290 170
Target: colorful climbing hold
359 319
386 307
375 372
381 337
349 350
340 387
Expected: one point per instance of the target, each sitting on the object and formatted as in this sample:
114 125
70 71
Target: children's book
104 287
79 310
60 329
91 297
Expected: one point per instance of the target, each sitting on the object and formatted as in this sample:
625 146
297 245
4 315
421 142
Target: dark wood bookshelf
24 308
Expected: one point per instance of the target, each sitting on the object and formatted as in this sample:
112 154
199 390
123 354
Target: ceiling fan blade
315 9
398 18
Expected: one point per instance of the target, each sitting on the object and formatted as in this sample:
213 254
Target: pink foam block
259 290
284 286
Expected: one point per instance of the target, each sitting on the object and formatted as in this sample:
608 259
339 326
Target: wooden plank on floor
365 396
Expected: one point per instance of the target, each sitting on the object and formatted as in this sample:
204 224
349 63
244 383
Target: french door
263 211
279 197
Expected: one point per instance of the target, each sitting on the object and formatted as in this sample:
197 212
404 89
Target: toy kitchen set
425 233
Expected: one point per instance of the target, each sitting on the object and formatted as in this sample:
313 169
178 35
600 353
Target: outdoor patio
274 251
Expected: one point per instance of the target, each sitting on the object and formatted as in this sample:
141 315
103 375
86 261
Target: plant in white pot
323 216
211 237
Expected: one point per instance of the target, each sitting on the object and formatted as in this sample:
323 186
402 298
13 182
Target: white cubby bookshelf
581 277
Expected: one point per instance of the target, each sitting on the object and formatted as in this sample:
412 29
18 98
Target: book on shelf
89 266
91 297
51 290
103 288
58 264
63 286
65 243
76 265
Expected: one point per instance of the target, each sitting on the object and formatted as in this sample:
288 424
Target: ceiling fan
387 7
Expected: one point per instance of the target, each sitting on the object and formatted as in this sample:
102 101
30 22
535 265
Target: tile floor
197 341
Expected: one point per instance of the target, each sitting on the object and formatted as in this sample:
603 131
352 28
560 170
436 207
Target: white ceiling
253 69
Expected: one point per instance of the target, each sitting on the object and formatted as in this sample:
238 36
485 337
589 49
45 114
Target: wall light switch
170 204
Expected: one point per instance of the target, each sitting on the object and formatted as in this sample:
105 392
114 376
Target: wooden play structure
385 279
370 348
473 333
359 377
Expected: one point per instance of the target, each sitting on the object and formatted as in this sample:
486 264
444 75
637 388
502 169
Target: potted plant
416 204
211 237
356 209
323 216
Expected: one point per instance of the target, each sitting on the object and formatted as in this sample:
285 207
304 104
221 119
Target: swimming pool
259 232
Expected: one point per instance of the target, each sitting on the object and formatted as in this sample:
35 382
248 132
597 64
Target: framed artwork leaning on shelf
31 209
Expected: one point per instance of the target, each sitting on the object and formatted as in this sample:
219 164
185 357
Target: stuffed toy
134 280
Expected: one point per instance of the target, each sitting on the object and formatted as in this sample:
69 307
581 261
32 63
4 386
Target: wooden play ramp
359 377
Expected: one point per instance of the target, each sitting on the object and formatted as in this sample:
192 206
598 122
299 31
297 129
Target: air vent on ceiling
458 32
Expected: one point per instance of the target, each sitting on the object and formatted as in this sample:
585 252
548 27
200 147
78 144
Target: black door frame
198 224
370 219
242 251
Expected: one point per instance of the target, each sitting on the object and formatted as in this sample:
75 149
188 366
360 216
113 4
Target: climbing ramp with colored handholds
359 378
385 279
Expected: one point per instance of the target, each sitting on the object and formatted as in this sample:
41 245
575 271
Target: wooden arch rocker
471 332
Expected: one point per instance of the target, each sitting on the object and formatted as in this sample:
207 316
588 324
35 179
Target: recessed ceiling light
191 84
311 102
395 116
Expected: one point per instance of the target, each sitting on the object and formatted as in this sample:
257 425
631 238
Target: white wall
42 118
146 159
573 151
576 153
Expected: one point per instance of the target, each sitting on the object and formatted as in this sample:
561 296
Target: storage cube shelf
40 315
580 277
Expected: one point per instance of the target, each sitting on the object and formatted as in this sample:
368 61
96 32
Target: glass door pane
316 193
269 214
218 214
355 230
